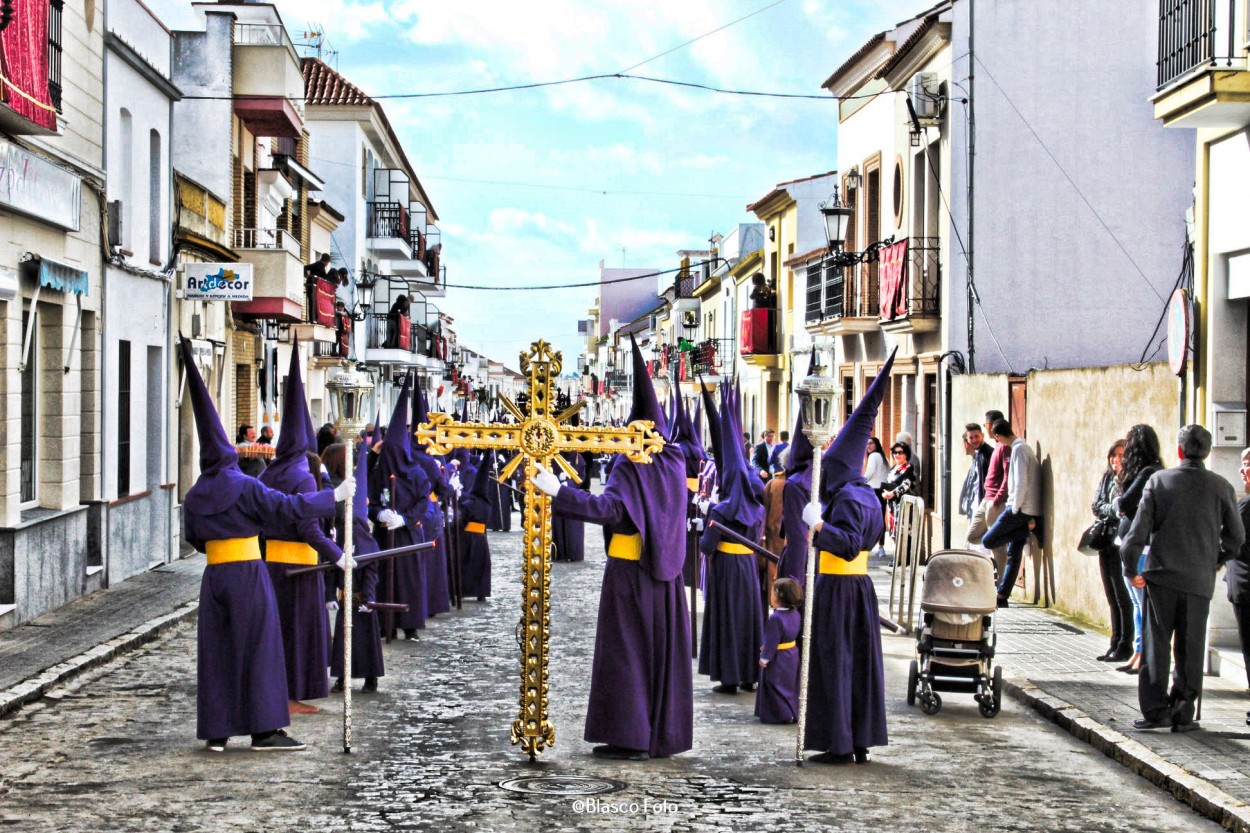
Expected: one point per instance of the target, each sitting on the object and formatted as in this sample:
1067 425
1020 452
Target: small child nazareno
777 699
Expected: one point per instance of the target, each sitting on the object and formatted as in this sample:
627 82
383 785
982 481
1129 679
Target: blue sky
542 159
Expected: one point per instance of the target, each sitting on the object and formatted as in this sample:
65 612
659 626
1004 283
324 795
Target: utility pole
972 153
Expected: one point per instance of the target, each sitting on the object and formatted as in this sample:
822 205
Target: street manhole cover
562 785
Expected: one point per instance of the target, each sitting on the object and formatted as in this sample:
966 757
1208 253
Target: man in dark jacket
1237 571
1189 518
979 450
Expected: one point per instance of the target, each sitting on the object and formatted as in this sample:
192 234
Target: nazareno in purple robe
733 624
301 599
474 546
777 698
242 685
499 496
795 496
567 534
434 562
641 692
846 685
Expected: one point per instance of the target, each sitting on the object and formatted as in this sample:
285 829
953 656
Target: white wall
1055 285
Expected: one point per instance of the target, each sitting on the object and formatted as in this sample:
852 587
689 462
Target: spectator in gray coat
1189 518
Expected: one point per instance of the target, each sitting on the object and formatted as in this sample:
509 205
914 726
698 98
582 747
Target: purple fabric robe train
777 698
474 546
569 535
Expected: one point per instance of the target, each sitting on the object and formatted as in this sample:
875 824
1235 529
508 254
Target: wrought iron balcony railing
1193 34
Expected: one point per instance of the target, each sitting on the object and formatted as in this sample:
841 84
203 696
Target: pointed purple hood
220 480
713 424
685 435
799 466
362 538
432 468
653 494
646 405
843 463
400 472
289 472
741 492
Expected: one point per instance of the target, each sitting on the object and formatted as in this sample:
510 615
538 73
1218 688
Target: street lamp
838 220
350 390
365 284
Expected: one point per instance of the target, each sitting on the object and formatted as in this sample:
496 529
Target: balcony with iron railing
912 303
1201 64
395 339
841 300
710 359
759 334
388 229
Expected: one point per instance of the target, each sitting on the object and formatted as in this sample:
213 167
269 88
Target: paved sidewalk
92 630
1049 663
1047 660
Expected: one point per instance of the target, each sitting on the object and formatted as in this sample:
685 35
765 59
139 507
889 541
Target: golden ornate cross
538 438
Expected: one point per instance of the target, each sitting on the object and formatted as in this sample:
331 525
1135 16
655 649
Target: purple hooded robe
301 599
241 680
846 685
641 692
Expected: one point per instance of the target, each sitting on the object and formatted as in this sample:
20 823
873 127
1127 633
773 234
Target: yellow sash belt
474 527
732 548
628 547
785 646
832 565
290 552
226 550
692 483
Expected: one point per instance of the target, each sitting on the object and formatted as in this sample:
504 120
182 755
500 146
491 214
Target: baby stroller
955 638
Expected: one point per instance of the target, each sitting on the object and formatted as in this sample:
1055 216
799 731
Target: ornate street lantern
818 396
352 391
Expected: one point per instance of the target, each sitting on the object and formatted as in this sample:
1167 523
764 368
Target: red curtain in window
345 335
24 61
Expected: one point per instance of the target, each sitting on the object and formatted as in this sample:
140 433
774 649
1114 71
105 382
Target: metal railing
924 277
387 220
837 292
264 34
711 356
380 334
266 238
1190 36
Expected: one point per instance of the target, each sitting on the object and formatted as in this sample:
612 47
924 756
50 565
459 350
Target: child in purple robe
777 699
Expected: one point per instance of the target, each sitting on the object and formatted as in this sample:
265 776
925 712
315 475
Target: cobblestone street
115 750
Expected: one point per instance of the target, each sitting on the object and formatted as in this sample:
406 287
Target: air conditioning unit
925 97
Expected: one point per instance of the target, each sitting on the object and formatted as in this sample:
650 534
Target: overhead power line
704 35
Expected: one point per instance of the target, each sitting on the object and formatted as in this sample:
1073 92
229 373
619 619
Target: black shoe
278 741
370 686
1143 724
619 753
219 744
1119 656
1133 670
1002 601
831 758
747 687
481 598
1191 726
337 688
1248 718
725 688
861 755
411 635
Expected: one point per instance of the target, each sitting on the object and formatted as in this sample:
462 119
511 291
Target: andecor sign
218 282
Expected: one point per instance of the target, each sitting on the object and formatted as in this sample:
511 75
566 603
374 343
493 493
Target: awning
59 276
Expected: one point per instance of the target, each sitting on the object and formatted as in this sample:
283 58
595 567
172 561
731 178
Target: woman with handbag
1119 603
1142 458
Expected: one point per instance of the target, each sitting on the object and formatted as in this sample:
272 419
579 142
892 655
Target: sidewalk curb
33 688
1202 796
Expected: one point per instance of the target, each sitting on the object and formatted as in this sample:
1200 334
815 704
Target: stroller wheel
988 707
998 688
931 703
912 677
